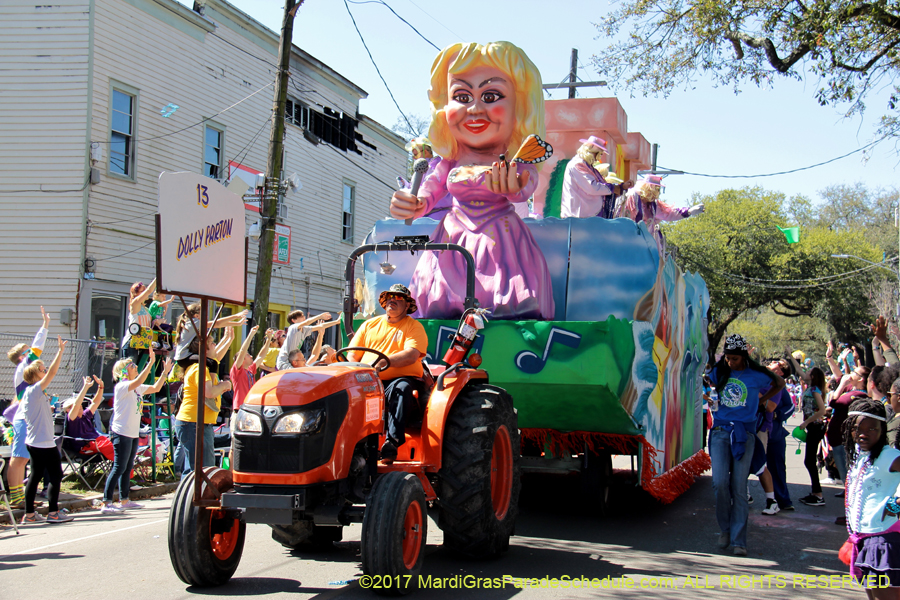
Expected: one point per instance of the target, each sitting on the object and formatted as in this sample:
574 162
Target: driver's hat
400 290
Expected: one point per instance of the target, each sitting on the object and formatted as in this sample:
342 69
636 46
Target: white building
154 86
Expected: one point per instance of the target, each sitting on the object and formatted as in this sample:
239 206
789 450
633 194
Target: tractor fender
435 418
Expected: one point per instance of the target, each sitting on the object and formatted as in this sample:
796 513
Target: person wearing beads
124 428
738 380
813 407
871 503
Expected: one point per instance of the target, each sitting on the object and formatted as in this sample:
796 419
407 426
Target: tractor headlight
248 422
308 421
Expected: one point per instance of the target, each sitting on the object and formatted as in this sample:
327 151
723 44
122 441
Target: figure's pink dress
511 276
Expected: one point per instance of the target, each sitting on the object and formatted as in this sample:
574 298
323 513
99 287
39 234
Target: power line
90 222
455 35
823 278
744 281
124 253
399 17
390 93
365 170
237 157
860 149
41 189
224 110
271 64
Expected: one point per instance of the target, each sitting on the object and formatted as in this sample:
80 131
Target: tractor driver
404 341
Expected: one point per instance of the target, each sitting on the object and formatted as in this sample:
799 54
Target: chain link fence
81 358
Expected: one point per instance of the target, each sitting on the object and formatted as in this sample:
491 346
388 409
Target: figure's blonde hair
647 190
504 56
588 155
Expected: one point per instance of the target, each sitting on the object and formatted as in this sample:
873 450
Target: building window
347 213
213 143
121 143
297 113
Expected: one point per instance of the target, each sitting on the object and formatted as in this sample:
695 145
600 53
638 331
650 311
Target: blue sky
701 130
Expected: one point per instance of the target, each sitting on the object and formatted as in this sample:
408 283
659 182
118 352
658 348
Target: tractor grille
267 453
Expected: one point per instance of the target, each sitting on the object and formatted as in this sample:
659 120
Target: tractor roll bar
398 245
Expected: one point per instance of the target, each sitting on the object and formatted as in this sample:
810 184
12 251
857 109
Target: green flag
791 233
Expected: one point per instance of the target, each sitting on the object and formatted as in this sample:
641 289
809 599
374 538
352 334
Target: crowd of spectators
37 438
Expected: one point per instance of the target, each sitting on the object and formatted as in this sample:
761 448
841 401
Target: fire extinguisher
472 320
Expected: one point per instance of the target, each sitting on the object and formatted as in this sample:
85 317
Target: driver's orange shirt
390 338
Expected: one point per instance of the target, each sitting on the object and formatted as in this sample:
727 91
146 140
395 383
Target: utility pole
573 72
273 190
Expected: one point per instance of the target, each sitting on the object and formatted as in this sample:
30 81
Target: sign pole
201 402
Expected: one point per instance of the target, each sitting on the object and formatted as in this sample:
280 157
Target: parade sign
201 247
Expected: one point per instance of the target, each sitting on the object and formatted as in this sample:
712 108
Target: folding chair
85 462
5 498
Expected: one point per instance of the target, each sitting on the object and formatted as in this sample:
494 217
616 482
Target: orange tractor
305 461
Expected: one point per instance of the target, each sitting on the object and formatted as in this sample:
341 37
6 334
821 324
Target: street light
881 264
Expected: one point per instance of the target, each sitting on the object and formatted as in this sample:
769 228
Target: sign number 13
202 196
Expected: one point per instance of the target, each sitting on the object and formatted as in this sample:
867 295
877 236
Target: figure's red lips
477 125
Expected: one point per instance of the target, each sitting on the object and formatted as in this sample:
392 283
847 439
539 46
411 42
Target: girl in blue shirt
739 381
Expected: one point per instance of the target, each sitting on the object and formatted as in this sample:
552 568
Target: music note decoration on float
529 362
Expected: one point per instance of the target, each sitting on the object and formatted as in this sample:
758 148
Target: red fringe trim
665 487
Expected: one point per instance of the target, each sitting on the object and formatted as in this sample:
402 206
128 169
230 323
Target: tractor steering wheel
341 355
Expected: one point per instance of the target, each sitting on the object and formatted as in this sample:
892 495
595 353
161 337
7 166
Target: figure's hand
696 210
46 318
504 179
406 206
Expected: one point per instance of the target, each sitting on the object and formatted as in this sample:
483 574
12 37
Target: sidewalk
74 503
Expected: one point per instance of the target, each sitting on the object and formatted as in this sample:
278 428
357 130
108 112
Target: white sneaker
771 508
111 509
128 504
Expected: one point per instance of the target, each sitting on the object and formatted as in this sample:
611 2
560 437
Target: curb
159 489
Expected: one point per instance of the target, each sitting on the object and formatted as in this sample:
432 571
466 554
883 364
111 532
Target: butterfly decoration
533 150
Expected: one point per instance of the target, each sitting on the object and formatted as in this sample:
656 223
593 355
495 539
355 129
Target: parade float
596 333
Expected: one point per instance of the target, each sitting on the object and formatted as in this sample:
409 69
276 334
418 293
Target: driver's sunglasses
394 297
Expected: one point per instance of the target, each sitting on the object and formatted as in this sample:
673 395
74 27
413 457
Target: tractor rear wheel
479 477
205 545
394 529
304 535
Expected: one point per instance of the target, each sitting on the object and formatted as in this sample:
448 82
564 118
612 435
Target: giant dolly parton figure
486 100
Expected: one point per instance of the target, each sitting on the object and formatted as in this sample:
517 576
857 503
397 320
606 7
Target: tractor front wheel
205 545
479 477
394 529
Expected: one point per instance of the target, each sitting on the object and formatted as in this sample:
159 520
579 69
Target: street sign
201 247
281 251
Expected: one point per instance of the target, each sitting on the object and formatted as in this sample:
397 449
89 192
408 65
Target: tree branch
869 64
765 44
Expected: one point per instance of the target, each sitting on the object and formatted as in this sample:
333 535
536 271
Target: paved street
669 550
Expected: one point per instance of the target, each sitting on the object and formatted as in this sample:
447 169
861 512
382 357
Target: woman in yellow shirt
186 419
